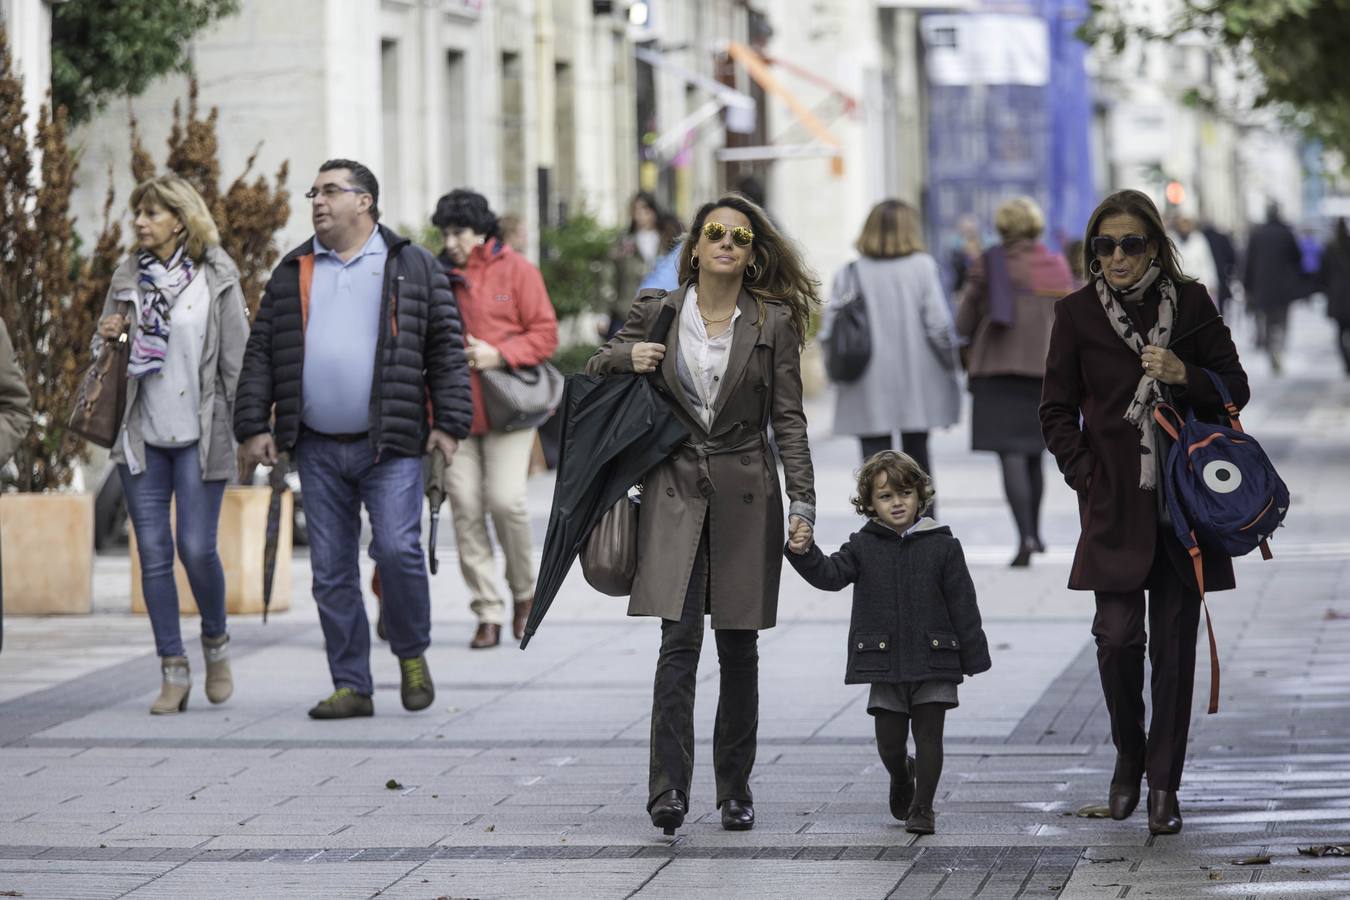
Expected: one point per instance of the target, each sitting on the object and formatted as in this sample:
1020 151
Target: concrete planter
47 547
240 539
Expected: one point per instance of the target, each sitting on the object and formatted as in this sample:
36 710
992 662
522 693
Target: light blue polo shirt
341 337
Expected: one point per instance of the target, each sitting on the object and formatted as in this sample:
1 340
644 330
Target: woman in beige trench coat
710 537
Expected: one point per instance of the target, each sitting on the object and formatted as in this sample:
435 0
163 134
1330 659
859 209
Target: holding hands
800 535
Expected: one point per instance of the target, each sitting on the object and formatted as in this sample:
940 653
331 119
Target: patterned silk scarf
160 284
1147 394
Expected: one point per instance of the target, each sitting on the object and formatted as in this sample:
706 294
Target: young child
915 629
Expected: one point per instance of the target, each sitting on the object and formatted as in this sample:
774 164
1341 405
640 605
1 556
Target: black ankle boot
669 810
737 815
1164 812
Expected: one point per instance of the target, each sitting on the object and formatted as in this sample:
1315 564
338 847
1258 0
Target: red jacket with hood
504 304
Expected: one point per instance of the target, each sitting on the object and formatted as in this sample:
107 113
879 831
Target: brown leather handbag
609 557
102 398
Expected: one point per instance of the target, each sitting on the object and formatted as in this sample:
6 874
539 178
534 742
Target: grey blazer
222 358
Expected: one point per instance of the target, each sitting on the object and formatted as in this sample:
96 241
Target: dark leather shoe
486 636
737 816
1023 557
1164 812
921 820
1122 800
521 613
668 811
902 792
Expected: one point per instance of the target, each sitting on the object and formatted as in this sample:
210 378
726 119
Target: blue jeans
337 478
176 472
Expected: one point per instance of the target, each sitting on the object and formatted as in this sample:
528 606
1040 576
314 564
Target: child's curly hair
901 471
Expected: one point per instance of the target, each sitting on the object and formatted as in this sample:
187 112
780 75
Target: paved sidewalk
527 776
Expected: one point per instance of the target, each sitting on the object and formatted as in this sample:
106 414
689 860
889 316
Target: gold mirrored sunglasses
715 231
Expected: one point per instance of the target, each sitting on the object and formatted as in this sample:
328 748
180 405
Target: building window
565 164
455 122
390 113
514 187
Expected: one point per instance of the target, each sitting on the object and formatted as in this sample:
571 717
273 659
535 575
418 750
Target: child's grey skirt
901 698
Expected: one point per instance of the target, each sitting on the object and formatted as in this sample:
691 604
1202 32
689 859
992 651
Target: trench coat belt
749 442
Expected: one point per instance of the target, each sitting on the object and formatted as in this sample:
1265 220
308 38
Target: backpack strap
1199 565
1166 415
1228 405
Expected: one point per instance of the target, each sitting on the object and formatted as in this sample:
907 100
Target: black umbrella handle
432 562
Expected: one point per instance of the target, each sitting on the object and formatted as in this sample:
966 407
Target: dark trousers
1173 619
737 724
339 477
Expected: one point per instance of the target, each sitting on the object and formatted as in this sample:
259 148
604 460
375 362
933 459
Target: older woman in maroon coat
1139 332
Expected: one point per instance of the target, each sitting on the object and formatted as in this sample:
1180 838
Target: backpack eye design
1221 476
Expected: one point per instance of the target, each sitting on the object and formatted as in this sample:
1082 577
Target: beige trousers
487 477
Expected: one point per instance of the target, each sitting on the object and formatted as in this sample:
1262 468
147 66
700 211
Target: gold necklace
708 321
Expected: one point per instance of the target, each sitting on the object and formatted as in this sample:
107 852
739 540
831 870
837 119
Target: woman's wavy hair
783 277
892 230
1138 204
901 471
179 197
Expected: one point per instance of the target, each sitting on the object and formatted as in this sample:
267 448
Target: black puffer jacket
914 611
421 355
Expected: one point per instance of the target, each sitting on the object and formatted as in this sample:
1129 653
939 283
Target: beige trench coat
740 494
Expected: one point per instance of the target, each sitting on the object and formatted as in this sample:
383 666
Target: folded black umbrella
615 428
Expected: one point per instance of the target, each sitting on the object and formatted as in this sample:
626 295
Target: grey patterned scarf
1147 394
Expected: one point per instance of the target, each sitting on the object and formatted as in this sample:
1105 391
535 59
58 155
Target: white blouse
703 358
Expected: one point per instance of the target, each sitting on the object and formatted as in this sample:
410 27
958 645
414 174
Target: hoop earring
1095 267
693 262
752 272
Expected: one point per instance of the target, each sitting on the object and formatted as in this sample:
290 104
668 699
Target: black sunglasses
1104 246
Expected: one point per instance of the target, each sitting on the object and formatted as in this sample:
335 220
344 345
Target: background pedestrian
731 366
357 334
187 326
508 323
1141 328
652 233
911 383
1273 279
1335 279
1006 313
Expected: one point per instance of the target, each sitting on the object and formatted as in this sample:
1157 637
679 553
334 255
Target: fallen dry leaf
1250 861
1334 614
1215 876
1093 812
1325 850
392 784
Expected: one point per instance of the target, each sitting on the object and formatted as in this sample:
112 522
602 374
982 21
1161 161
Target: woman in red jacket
508 323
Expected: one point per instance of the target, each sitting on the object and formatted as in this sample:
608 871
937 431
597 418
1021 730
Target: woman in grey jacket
910 384
179 300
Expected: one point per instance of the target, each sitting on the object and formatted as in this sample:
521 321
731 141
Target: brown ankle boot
173 690
219 681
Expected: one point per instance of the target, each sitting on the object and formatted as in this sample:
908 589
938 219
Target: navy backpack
1223 494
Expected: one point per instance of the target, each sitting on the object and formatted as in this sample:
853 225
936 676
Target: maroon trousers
1173 620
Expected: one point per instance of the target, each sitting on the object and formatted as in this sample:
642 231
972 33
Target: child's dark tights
892 737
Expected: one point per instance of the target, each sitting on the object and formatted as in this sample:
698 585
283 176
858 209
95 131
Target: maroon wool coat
1091 373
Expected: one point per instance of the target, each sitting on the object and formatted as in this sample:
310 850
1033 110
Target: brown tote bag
609 557
102 397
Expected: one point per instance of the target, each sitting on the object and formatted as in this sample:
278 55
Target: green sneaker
344 703
417 690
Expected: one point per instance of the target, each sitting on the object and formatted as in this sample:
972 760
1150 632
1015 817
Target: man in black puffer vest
357 337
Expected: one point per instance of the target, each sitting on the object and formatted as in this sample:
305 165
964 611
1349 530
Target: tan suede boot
173 691
219 681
